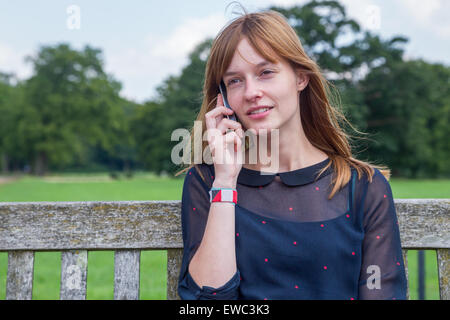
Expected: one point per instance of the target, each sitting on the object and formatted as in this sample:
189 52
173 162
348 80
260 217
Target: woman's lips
260 115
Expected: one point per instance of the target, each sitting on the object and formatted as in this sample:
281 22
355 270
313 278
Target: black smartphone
223 92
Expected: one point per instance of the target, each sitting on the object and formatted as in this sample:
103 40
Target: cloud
143 67
285 3
421 10
365 12
430 14
184 38
12 61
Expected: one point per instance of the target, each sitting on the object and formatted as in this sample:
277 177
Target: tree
179 100
321 26
409 111
12 152
70 104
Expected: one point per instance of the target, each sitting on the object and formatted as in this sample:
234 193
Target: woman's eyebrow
261 64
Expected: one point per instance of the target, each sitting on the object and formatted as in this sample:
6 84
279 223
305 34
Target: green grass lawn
100 282
90 187
96 187
420 189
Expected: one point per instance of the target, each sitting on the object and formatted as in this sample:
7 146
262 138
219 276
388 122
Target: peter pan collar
297 177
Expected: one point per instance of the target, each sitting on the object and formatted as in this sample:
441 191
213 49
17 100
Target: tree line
69 114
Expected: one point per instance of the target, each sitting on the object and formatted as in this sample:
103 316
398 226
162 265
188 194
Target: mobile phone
223 92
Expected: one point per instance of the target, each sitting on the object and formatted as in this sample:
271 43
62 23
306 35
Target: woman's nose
252 90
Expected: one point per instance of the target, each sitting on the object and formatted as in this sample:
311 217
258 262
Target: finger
212 149
240 132
220 103
213 135
219 100
230 137
226 124
228 153
237 144
214 116
223 115
238 155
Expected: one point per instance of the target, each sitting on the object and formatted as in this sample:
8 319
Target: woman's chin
261 131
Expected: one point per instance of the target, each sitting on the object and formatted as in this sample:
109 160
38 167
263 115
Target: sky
144 42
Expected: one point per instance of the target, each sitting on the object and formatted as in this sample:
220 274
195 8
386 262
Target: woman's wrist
224 183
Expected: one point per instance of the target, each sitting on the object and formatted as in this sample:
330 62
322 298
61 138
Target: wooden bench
128 227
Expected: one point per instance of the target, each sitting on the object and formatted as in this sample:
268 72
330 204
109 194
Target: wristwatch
223 195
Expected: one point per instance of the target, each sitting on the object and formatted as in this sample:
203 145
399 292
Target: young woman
322 226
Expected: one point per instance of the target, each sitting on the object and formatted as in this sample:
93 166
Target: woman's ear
302 80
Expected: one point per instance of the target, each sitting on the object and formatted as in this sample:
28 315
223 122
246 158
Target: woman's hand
225 144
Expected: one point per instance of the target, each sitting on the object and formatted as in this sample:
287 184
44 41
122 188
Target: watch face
225 195
213 194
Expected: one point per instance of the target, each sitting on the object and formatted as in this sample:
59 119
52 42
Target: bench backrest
127 227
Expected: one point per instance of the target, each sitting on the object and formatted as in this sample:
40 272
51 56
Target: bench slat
19 283
44 226
126 274
405 261
73 275
423 223
443 262
174 258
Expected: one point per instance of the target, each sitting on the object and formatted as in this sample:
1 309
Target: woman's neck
291 150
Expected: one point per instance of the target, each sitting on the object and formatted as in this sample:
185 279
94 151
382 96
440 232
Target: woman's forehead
245 54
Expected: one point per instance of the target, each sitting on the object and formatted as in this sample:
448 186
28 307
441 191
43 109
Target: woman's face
253 82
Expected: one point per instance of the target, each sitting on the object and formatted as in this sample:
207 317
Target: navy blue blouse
292 242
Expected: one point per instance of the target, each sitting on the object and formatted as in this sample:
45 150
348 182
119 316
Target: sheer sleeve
382 271
195 206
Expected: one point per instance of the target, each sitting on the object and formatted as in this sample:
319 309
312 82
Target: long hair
320 120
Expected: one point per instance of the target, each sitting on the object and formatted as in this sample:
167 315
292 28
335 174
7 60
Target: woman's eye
232 81
266 72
